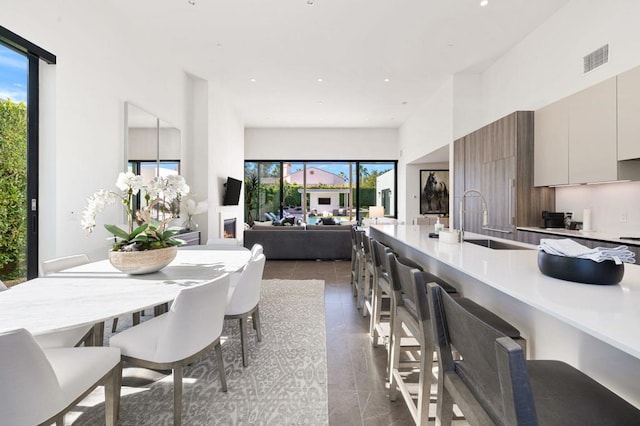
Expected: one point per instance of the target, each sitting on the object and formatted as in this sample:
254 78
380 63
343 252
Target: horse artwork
434 197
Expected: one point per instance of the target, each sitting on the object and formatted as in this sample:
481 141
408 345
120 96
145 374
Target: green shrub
13 183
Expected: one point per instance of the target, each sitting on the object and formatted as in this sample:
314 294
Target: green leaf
175 242
143 238
117 232
138 230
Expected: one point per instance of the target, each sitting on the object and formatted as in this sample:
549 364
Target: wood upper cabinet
629 115
592 134
498 161
551 147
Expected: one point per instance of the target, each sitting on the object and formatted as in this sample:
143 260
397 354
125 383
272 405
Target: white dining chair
60 263
73 336
256 250
243 302
38 386
222 241
192 327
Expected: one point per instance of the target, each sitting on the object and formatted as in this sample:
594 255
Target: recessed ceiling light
191 2
310 2
386 80
320 80
483 3
253 80
404 102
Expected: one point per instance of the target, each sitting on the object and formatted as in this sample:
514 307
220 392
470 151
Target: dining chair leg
177 395
244 340
98 334
136 318
256 323
220 362
112 395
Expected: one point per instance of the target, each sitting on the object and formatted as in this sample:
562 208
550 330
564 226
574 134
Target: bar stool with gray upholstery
492 383
412 312
368 273
382 289
363 272
354 260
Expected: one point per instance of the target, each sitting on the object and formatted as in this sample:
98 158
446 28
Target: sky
337 168
13 75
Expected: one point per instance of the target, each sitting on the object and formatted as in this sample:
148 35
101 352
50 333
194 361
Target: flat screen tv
232 192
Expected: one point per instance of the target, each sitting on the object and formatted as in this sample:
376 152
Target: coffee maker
554 219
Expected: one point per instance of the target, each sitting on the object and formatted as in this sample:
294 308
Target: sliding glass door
262 190
377 184
14 71
19 167
311 190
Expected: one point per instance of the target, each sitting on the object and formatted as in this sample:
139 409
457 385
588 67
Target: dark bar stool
412 312
367 274
354 260
385 287
381 289
493 383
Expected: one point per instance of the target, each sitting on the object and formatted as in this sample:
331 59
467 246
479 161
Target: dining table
90 294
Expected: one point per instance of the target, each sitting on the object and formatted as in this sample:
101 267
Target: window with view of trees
343 190
19 145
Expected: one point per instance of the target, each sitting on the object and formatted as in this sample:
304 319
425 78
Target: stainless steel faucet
485 213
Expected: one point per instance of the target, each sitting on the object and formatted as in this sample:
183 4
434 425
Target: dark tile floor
357 390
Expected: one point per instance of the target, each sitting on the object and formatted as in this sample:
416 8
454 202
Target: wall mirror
152 145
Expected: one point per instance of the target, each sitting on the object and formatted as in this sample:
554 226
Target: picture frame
434 192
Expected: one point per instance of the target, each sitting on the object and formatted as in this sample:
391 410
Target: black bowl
580 270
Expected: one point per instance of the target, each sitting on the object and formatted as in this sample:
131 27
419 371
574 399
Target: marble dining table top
96 292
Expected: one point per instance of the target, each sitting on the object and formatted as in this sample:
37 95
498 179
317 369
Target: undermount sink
496 245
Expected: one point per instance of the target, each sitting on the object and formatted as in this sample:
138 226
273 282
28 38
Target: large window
343 190
19 118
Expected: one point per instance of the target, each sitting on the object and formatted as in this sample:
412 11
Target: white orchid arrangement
151 233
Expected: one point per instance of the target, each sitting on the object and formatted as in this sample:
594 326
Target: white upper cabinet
629 115
551 147
593 152
592 136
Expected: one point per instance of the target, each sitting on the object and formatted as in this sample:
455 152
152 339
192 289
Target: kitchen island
594 328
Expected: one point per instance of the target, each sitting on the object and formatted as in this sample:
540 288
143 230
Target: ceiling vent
596 58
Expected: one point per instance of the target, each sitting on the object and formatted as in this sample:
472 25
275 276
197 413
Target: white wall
195 149
101 63
544 67
547 66
321 144
226 158
427 130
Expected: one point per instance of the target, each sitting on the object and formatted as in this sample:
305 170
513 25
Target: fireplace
229 228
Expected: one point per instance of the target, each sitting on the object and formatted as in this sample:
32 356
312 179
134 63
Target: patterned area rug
284 384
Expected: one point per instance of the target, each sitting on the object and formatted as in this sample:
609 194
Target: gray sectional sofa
299 243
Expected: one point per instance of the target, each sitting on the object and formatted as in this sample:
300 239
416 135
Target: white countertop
610 313
590 235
